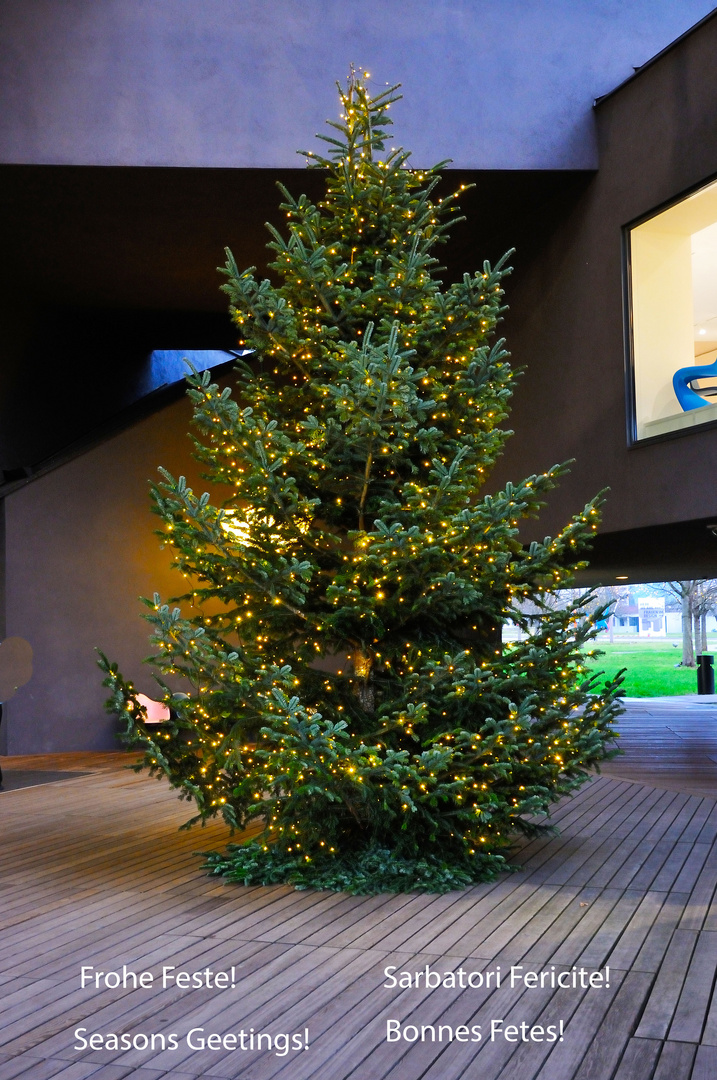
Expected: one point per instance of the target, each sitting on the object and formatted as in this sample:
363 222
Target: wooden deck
95 873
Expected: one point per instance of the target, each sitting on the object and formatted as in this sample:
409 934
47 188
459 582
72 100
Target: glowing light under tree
348 687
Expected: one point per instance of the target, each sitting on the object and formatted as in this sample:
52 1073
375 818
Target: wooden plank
385 930
638 1060
612 1038
708 832
690 821
426 937
690 872
705 1066
24 1068
632 803
582 1013
594 915
633 937
665 880
601 944
572 813
54 1069
281 904
366 925
614 838
709 1034
329 933
659 936
702 894
406 1059
418 928
694 1000
255 1003
668 746
545 949
527 1058
527 895
710 922
166 948
603 819
297 1007
653 864
289 927
651 830
354 1028
472 914
666 991
130 929
297 967
676 1061
515 949
356 999
282 1000
546 860
136 1007
575 864
511 925
97 871
486 1058
119 909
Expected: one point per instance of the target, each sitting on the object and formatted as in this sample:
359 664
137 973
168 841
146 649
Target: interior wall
663 320
80 551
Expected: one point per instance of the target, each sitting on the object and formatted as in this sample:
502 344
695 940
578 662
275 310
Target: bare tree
697 598
704 600
685 593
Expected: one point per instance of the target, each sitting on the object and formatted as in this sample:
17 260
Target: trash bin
705 674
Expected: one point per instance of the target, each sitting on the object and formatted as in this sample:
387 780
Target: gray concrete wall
500 84
80 550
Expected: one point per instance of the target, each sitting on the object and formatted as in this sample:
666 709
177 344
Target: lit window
673 286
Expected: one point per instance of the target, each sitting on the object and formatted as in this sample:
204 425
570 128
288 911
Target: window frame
633 442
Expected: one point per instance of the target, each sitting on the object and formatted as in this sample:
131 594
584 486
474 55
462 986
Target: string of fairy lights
344 654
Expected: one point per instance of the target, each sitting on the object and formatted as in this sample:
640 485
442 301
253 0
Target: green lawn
650 664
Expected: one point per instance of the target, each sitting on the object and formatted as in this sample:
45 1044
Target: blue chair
681 384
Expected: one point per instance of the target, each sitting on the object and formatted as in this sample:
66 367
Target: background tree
697 597
347 682
703 602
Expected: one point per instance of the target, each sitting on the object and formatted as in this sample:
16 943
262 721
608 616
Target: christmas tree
346 683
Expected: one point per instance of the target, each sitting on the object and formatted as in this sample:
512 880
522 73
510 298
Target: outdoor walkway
95 873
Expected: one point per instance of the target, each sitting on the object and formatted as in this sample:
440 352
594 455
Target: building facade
137 140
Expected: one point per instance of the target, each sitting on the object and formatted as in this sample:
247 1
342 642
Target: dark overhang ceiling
102 265
151 239
677 552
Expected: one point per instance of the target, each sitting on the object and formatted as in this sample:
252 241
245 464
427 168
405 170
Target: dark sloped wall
80 551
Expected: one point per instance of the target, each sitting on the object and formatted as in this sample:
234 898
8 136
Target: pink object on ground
157 713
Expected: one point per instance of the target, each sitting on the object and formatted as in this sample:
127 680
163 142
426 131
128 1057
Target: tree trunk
688 653
363 668
611 627
703 632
